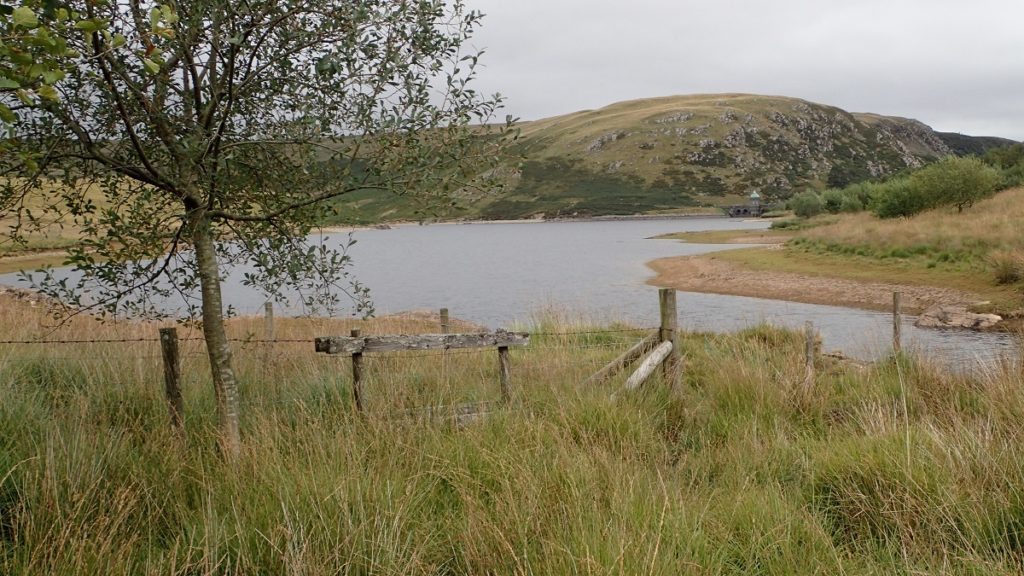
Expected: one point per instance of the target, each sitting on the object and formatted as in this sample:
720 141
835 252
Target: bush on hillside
1010 161
1005 157
832 200
807 204
862 191
955 181
898 199
851 203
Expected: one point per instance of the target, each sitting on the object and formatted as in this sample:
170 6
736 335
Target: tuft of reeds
1007 266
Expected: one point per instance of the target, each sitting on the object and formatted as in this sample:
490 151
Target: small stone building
752 209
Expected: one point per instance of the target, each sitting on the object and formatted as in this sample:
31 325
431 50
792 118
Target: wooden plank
625 359
444 321
648 366
374 344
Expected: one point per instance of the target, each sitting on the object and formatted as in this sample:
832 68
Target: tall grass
892 468
989 224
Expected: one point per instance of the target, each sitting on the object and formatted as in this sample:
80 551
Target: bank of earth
847 262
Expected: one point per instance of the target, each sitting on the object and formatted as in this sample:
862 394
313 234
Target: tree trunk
225 385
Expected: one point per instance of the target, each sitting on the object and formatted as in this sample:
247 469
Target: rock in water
955 316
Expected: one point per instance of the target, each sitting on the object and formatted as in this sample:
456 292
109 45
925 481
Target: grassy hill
680 153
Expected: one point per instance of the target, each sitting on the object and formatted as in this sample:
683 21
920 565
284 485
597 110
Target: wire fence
287 371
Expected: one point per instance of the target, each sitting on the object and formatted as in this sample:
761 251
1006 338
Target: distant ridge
676 152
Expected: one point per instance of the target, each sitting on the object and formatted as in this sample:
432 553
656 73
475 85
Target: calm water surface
500 274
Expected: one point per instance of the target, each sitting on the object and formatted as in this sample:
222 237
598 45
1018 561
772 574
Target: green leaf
6 114
150 66
48 92
53 76
24 16
8 83
20 58
325 65
170 16
91 26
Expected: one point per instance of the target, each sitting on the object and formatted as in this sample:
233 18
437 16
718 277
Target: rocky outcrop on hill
706 147
664 154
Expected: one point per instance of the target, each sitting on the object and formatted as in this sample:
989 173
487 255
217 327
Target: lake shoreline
711 275
609 218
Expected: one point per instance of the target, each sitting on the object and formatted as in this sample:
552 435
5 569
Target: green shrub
862 191
807 204
832 200
955 181
898 199
851 203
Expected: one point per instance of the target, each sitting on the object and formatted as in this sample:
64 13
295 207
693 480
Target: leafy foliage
1009 160
183 139
807 204
955 181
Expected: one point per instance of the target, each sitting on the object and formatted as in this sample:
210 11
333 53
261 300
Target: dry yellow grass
990 224
56 231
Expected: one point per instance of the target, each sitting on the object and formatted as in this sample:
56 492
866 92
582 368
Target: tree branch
270 216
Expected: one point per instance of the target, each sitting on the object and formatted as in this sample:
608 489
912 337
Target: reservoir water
503 274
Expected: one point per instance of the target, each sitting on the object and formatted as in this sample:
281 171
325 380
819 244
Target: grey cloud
953 65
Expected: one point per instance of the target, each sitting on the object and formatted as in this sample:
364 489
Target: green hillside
680 153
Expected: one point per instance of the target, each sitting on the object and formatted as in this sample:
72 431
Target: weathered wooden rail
356 345
661 348
374 344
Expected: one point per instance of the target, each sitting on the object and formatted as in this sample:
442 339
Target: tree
807 204
956 181
184 137
898 198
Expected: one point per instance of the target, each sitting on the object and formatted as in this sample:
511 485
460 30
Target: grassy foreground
894 468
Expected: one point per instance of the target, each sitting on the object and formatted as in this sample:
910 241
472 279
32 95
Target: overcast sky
956 65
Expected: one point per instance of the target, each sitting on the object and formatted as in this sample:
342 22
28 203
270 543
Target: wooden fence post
268 337
172 376
897 324
268 321
669 332
809 355
357 374
505 373
444 321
